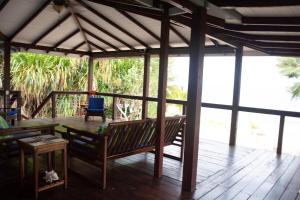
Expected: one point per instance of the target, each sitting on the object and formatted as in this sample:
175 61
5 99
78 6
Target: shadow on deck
223 173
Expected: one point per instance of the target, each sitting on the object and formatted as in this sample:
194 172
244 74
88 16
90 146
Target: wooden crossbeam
51 28
70 35
104 31
112 23
139 24
254 3
48 49
271 20
270 28
182 37
32 17
101 40
97 46
2 36
3 4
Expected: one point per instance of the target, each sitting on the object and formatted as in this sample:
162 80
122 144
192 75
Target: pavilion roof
128 27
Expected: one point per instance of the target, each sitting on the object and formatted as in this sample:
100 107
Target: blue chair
95 108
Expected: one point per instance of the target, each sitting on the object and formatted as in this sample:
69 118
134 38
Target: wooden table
45 144
27 126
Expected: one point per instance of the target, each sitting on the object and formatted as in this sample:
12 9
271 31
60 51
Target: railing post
280 134
236 95
53 101
6 73
146 85
114 108
184 108
19 105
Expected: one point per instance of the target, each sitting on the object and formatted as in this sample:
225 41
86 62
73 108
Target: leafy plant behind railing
36 75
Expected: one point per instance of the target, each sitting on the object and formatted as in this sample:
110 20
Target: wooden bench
120 139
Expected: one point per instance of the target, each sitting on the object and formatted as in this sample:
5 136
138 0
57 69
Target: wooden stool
45 144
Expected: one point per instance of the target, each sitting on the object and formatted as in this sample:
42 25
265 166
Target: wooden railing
14 96
280 113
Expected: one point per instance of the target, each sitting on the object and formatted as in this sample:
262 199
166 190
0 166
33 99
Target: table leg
65 166
22 167
49 161
36 174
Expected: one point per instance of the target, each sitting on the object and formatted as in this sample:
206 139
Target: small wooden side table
44 144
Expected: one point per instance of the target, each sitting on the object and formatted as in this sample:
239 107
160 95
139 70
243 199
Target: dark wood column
90 73
162 90
197 49
236 94
146 84
6 73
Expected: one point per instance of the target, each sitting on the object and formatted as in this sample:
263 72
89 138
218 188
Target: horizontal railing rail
281 113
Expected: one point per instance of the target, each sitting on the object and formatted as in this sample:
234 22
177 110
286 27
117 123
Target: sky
262 84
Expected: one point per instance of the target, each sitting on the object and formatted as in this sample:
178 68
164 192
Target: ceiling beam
182 37
32 17
112 23
3 4
101 40
70 35
254 3
139 24
78 45
271 20
254 28
97 46
104 31
48 49
210 50
51 28
141 10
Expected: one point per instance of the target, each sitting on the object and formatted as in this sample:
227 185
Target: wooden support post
19 105
114 108
280 134
191 139
146 85
90 73
6 73
53 101
236 95
162 90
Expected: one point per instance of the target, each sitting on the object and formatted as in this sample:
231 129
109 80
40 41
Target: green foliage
290 67
37 75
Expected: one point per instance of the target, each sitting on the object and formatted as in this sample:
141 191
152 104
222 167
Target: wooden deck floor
223 173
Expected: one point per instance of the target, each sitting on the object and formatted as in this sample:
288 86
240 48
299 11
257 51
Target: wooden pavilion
133 28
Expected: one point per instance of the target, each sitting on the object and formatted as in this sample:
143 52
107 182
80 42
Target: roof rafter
3 36
77 22
97 46
183 38
101 40
104 31
3 4
51 28
66 38
78 45
112 23
142 10
139 24
32 17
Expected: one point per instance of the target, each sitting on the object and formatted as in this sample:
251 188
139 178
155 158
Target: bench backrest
131 136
